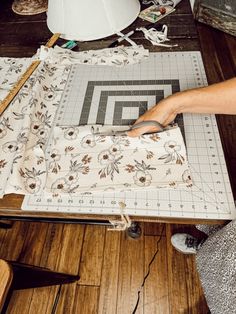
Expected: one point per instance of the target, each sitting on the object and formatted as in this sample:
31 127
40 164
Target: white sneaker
185 243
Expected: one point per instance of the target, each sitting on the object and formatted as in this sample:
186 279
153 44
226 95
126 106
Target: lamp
90 19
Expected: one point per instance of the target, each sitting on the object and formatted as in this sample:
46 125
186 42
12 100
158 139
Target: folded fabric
119 56
25 125
79 161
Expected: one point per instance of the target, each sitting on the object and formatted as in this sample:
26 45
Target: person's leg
209 229
216 264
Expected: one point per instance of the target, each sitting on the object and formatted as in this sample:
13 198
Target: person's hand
164 112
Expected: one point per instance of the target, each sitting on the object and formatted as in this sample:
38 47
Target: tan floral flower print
4 126
150 154
115 150
22 137
72 177
186 177
105 157
88 141
142 175
3 131
55 155
68 149
111 163
69 183
32 185
86 159
130 168
60 185
39 121
71 133
172 147
13 66
32 181
142 178
3 163
154 137
54 166
11 147
42 133
50 94
172 155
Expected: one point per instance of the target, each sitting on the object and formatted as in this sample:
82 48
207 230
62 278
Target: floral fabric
11 69
119 56
75 160
81 161
26 124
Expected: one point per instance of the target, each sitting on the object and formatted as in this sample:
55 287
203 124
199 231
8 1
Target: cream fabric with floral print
119 56
26 124
77 160
81 161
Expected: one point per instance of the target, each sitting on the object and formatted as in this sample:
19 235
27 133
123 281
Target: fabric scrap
119 56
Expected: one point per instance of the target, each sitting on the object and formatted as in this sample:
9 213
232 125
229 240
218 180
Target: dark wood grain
92 255
110 273
156 291
131 273
172 286
219 56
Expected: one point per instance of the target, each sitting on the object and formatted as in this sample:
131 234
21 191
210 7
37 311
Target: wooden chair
6 277
14 276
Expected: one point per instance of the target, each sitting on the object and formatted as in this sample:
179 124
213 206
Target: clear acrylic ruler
111 95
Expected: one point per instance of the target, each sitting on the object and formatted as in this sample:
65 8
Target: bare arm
217 98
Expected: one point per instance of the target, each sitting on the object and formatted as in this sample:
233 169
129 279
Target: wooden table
20 36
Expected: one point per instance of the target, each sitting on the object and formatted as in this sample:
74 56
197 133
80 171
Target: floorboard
156 290
92 256
20 302
42 300
15 238
67 299
109 275
86 300
131 273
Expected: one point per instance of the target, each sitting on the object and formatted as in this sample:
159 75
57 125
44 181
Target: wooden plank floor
111 266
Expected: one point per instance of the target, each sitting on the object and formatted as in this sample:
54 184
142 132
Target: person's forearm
217 98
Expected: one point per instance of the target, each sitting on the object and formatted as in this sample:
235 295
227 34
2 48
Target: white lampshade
90 19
